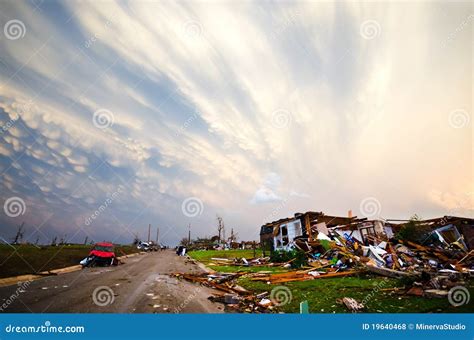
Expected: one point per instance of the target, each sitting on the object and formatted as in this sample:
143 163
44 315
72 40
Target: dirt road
141 285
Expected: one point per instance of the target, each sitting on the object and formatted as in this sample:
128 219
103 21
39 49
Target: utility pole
157 234
189 234
149 228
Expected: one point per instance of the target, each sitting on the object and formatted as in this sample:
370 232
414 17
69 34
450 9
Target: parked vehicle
102 254
144 246
148 246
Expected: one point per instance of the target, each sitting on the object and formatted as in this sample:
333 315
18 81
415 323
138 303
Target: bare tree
19 234
136 240
54 240
86 239
233 236
63 240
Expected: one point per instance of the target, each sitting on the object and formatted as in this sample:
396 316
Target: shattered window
367 231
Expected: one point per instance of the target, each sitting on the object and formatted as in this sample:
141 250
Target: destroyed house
451 231
279 234
283 233
365 231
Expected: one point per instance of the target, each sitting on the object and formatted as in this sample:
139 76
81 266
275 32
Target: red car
102 254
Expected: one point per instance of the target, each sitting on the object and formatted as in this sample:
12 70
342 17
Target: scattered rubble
315 246
235 298
264 261
352 304
340 246
302 275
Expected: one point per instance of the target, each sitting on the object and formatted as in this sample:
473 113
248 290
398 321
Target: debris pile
235 298
428 257
300 275
333 245
432 270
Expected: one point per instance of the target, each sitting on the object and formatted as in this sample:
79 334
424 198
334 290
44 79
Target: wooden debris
390 272
352 304
212 282
300 276
437 293
416 291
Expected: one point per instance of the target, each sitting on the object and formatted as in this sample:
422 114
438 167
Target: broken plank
389 272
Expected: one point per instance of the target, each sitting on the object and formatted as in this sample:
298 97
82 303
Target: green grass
204 256
29 259
323 295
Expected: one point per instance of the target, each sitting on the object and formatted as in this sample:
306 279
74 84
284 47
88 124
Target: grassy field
29 259
323 295
204 256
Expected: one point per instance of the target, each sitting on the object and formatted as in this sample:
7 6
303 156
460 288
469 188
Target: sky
117 115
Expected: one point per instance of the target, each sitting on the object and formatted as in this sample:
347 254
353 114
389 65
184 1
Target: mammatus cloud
304 106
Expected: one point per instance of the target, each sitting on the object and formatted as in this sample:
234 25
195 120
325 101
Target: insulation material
322 236
322 228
